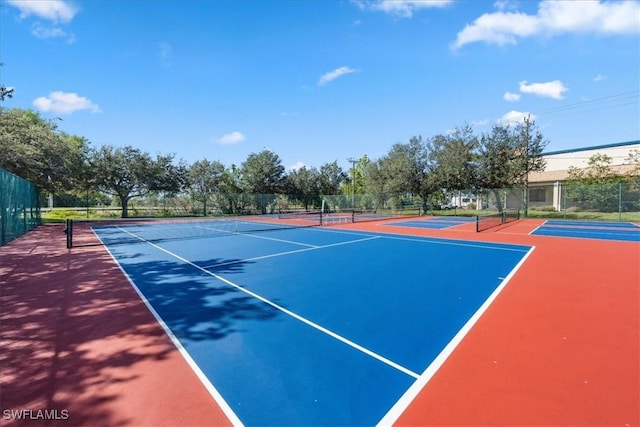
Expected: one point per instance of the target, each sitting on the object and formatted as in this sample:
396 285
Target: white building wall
579 159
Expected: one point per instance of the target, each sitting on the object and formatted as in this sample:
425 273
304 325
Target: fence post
619 202
564 201
3 211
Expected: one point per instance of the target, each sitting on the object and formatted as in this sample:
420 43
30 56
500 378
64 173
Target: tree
494 161
405 170
205 179
355 182
304 185
528 145
507 156
231 199
376 181
405 166
453 156
595 187
263 174
598 171
34 149
5 92
633 159
128 173
331 178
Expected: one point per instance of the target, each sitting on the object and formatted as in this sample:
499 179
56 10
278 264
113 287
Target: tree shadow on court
194 304
75 336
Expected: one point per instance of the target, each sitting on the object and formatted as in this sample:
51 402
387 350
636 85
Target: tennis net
348 216
485 222
83 232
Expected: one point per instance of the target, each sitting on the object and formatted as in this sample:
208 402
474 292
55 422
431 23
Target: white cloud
479 123
513 117
297 166
231 138
43 32
554 89
503 5
508 96
599 78
553 17
402 8
51 10
64 103
332 75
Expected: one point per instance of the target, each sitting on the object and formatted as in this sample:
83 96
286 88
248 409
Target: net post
477 223
69 232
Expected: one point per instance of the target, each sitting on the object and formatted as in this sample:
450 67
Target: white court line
255 236
217 397
437 241
285 311
465 244
403 403
312 248
536 229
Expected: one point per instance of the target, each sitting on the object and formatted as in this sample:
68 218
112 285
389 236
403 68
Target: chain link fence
618 201
614 201
19 206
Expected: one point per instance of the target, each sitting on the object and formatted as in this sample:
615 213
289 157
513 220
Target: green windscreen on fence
19 206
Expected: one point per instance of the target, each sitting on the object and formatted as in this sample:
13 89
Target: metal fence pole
619 202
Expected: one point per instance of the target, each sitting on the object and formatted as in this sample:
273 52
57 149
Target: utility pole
353 181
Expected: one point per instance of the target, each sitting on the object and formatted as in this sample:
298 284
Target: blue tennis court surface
436 223
314 326
625 231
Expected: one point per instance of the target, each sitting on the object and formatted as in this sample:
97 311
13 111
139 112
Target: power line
626 98
610 102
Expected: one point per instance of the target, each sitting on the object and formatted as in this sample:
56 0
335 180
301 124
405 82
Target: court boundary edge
412 392
215 394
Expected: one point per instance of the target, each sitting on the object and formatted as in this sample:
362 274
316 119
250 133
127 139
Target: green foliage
454 158
33 148
304 186
5 92
507 155
331 178
128 172
205 178
598 171
262 173
599 188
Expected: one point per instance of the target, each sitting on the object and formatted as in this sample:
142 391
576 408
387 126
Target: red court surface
558 347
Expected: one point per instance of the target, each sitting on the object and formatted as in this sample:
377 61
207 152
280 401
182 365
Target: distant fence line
557 199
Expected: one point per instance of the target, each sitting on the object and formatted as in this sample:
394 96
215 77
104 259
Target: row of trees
34 148
598 187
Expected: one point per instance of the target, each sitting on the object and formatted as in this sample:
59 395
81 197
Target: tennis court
278 321
436 223
624 231
310 326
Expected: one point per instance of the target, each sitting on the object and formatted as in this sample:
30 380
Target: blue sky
321 80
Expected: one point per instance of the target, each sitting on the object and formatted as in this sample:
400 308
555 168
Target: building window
537 195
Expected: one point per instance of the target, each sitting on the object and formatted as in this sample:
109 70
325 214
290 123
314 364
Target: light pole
353 181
